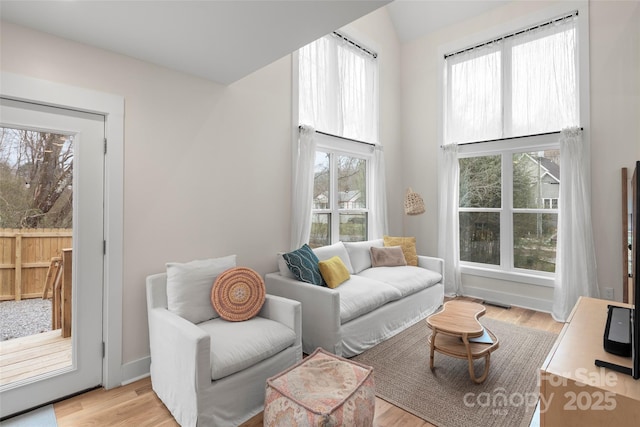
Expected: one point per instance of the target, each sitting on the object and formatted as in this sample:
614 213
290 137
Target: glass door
52 161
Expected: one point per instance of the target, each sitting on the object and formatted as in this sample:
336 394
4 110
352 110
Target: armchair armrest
179 345
180 355
320 311
285 311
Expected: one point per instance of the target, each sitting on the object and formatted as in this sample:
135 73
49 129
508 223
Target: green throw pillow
303 263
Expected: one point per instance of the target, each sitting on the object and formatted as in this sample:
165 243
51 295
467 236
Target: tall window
338 96
509 95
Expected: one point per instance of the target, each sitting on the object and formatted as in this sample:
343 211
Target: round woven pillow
238 294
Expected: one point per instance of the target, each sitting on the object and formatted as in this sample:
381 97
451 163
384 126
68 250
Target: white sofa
374 304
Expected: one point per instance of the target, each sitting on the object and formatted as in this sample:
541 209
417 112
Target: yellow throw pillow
408 245
333 271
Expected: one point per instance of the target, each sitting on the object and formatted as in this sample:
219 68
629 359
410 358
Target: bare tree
37 175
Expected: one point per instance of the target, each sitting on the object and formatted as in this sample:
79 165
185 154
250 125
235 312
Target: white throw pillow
189 287
360 253
337 249
283 268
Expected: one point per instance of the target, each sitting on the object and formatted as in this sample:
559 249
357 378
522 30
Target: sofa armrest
285 311
320 311
432 263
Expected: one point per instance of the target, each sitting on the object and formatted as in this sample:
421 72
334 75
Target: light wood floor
136 403
26 357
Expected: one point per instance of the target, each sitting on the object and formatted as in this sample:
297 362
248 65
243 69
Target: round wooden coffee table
454 330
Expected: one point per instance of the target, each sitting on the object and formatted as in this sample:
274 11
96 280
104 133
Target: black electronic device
618 332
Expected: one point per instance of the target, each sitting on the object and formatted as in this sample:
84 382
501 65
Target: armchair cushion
189 287
236 346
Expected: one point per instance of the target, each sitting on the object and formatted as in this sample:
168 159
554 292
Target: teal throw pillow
303 263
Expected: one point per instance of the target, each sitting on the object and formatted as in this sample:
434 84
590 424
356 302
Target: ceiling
222 41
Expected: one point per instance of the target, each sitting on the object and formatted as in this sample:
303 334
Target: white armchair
214 373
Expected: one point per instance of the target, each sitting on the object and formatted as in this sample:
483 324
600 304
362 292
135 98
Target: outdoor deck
38 354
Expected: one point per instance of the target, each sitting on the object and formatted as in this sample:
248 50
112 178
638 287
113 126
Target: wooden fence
25 255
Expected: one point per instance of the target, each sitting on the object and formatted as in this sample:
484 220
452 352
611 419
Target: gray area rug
447 397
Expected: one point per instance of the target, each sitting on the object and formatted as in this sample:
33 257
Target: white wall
207 167
615 132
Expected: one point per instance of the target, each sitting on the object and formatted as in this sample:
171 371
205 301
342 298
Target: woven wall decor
413 203
238 294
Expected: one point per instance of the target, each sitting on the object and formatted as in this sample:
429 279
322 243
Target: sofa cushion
189 287
387 257
236 346
360 295
360 254
303 263
333 271
407 280
408 245
337 249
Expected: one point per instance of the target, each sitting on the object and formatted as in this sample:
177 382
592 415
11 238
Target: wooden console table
573 390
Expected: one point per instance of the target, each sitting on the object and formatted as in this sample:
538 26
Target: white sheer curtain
448 238
544 88
379 223
302 188
521 85
575 253
474 95
338 90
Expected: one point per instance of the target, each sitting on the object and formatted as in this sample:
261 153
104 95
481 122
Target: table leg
487 362
472 372
433 348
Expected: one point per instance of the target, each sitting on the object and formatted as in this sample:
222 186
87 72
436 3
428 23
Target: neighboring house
550 179
351 199
347 200
549 175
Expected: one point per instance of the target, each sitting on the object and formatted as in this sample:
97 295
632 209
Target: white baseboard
509 299
136 370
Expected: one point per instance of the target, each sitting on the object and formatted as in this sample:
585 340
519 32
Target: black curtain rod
352 43
509 137
575 13
342 137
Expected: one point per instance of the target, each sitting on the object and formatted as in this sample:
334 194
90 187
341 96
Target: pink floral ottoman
321 390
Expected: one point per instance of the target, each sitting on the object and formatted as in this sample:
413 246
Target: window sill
512 276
